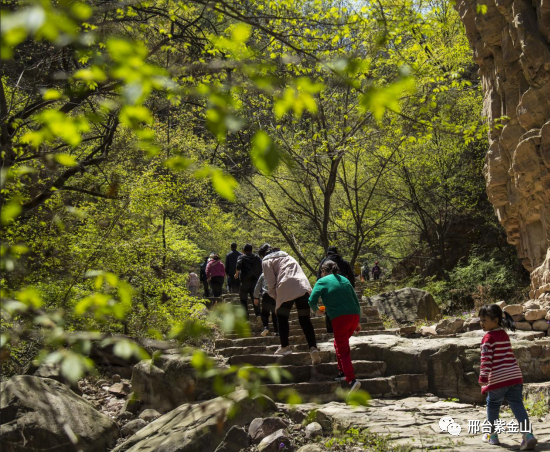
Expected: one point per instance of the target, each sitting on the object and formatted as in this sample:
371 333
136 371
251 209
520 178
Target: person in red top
215 272
499 375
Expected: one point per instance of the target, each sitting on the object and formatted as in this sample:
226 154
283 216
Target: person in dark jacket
203 278
249 269
344 269
376 271
230 269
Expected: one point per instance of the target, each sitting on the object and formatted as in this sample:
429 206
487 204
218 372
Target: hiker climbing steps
316 383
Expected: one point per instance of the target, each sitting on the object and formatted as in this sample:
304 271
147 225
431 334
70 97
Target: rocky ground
415 381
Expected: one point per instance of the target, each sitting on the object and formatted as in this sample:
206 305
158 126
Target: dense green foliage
138 138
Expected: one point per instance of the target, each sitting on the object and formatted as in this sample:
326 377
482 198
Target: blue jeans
514 395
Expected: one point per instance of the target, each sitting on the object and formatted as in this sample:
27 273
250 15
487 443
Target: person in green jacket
342 307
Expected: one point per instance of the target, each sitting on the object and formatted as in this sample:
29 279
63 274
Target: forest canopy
137 137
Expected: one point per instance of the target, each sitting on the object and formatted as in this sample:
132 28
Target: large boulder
167 382
450 364
38 414
449 326
272 443
261 427
235 440
198 427
405 305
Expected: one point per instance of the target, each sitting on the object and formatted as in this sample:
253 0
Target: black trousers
217 285
206 288
328 324
233 284
304 318
376 276
246 290
268 307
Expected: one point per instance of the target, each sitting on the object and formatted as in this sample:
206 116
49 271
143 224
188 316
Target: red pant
344 327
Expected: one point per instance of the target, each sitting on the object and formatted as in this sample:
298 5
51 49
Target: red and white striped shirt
499 367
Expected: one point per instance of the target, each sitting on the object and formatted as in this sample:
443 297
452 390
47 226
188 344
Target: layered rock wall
510 40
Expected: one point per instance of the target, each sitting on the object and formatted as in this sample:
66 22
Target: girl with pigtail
500 376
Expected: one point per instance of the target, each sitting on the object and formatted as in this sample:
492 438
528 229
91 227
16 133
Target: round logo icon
454 429
444 423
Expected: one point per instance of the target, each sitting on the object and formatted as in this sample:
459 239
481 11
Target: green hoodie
338 296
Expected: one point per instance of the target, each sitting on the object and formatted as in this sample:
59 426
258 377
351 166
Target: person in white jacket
287 284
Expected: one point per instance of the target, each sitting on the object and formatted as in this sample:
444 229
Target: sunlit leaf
264 152
10 212
66 160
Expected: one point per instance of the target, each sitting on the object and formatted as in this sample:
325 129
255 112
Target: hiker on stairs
343 309
288 284
215 274
344 268
230 269
203 278
249 269
376 271
268 306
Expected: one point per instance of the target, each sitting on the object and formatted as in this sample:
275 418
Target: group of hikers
274 281
276 278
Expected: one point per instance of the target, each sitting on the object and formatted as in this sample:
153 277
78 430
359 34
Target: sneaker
259 321
265 332
341 377
354 386
529 442
315 356
283 351
491 439
276 334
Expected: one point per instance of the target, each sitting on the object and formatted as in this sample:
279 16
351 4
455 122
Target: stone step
297 330
316 321
294 359
328 371
319 319
322 392
251 345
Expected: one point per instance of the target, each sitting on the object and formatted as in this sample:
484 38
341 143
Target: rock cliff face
511 44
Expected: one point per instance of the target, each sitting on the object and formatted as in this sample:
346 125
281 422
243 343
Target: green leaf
74 366
264 153
481 9
124 348
241 32
178 163
52 94
224 184
30 297
10 212
380 99
134 116
66 160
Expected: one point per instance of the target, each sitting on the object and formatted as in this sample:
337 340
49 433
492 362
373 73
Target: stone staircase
316 383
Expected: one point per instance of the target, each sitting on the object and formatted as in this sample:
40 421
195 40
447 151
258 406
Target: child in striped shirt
500 376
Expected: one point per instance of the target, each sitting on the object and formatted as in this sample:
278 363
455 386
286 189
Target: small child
500 376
